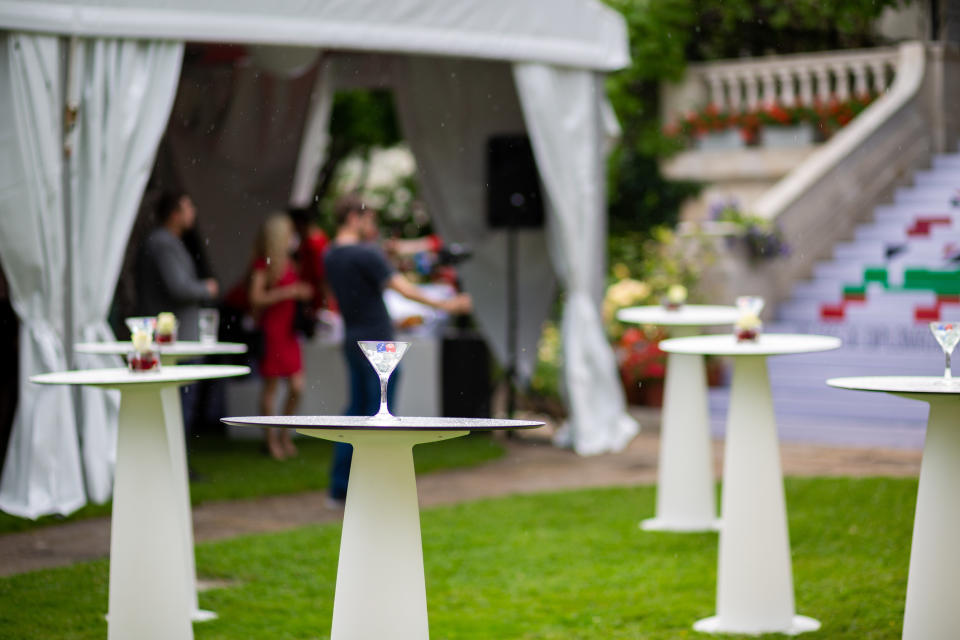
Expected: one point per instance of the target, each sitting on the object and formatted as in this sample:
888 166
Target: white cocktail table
380 589
171 354
754 574
150 587
933 598
686 500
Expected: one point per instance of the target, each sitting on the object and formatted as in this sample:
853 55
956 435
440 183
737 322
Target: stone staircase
877 293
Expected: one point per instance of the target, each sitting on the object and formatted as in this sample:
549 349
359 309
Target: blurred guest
309 255
167 280
274 292
166 273
358 271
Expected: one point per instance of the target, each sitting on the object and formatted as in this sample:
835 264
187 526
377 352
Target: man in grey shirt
166 274
167 281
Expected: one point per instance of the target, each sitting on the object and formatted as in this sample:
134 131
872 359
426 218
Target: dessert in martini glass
676 296
384 356
748 325
750 304
147 323
947 335
166 332
143 357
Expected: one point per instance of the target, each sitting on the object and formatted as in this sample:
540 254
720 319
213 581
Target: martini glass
750 304
384 356
947 335
145 323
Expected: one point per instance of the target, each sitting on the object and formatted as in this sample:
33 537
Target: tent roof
577 33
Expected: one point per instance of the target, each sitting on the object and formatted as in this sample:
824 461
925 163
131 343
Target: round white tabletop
768 344
122 376
180 348
386 423
689 315
899 384
932 598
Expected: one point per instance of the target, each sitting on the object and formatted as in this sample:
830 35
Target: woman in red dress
274 292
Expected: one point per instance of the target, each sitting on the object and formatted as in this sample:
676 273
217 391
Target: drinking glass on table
947 335
209 324
384 356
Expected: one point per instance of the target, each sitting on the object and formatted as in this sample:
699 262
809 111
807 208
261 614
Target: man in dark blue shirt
358 272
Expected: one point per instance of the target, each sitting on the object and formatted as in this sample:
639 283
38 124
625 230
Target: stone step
940 177
951 161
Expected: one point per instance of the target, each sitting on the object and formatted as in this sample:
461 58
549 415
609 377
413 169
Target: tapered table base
171 355
181 484
149 595
380 585
686 501
754 575
933 597
151 587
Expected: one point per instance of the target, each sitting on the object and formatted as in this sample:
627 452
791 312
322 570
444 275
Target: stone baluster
734 92
806 85
717 96
879 68
860 85
752 90
840 72
769 84
823 82
787 94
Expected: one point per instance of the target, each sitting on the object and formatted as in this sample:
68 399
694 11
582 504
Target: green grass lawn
237 469
567 566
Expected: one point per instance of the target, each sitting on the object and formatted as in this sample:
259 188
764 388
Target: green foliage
561 566
736 28
640 197
360 120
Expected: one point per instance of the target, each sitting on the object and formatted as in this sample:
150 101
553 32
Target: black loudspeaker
513 185
466 387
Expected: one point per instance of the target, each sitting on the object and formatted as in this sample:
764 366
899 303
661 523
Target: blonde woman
274 291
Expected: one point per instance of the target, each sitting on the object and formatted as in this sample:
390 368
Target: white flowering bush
386 178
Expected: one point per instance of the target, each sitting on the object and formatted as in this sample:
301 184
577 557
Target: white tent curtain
126 91
563 109
448 109
316 137
42 472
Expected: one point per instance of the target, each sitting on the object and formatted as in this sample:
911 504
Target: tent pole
512 303
70 110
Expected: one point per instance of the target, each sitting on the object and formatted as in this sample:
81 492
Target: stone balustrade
806 78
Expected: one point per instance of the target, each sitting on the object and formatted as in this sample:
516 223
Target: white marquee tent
87 88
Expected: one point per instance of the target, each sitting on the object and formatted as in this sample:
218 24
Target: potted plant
643 366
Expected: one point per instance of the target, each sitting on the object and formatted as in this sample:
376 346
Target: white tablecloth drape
126 92
448 110
564 112
42 472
